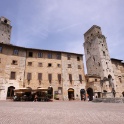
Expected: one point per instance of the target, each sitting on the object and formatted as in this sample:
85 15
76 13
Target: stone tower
5 30
98 61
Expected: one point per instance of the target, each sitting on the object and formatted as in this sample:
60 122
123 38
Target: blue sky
60 24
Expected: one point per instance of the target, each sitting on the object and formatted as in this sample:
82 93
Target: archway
71 94
10 92
90 93
82 94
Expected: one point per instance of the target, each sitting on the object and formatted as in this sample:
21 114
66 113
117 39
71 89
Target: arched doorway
82 93
90 93
71 94
50 92
10 92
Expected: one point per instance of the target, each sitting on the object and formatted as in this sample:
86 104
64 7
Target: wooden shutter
39 76
70 77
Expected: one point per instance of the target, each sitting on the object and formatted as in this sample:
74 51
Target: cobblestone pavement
76 112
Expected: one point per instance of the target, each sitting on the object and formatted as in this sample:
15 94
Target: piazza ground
70 112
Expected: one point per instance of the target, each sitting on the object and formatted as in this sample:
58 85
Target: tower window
69 65
40 55
30 54
15 52
13 75
70 78
49 64
14 62
29 76
59 65
5 21
80 78
39 76
50 77
59 78
29 63
78 58
58 56
68 56
50 55
103 53
96 80
40 64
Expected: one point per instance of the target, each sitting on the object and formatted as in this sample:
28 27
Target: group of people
86 97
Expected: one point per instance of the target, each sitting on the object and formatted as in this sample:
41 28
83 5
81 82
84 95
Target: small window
5 21
29 76
50 77
87 80
103 53
95 80
59 78
79 66
29 63
0 49
78 58
80 78
58 56
49 64
0 60
40 55
58 65
14 62
91 34
39 76
13 75
30 54
70 78
120 80
69 65
15 52
50 55
68 56
98 63
40 64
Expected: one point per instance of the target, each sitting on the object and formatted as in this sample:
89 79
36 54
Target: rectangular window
49 64
40 55
30 54
78 58
29 63
80 78
120 80
40 64
68 56
29 76
50 77
69 65
50 55
39 76
103 53
58 56
70 78
15 52
59 78
14 62
0 49
0 60
13 75
79 66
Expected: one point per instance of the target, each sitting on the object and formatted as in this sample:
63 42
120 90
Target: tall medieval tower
98 61
5 30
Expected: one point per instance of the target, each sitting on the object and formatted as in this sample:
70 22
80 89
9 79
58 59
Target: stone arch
71 94
10 92
90 93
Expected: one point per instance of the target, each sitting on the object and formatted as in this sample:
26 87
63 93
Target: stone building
36 68
99 63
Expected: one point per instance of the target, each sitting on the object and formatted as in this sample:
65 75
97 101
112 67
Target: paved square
75 112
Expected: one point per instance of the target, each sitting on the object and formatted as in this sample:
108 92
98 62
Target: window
68 56
58 65
96 80
70 78
40 55
29 63
49 64
79 66
78 58
50 55
120 80
0 49
29 76
30 54
40 64
103 53
58 56
14 62
50 77
15 52
0 60
80 78
39 76
13 75
69 65
59 78
88 51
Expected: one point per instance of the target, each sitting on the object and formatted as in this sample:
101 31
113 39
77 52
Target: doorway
90 93
83 94
71 94
10 92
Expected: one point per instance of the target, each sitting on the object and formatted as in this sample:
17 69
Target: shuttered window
39 76
50 77
59 78
13 75
29 76
80 78
70 77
